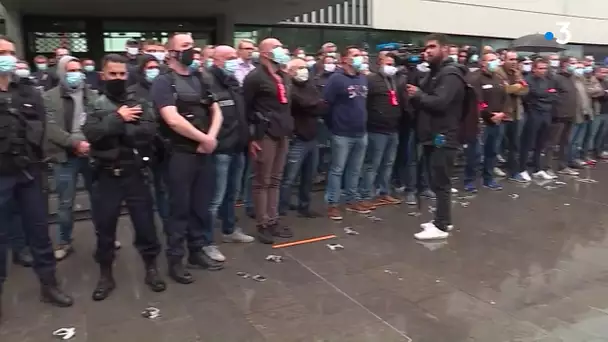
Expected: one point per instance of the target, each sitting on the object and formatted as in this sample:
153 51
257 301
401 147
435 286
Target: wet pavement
530 267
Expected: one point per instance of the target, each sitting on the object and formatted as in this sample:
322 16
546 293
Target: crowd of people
187 132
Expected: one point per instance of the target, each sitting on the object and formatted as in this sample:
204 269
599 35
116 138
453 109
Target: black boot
153 279
23 257
201 260
105 284
179 274
265 235
52 294
281 231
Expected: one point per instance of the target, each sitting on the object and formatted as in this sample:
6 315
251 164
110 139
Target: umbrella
536 43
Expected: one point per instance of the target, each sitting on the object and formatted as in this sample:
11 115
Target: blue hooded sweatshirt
346 96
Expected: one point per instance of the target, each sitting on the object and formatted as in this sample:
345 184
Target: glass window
600 52
308 39
574 50
381 37
116 41
250 32
465 40
344 38
496 43
47 42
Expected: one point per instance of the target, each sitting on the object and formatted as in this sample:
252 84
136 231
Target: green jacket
59 115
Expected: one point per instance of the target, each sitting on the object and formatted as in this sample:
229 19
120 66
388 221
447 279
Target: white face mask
554 63
423 67
311 63
132 51
526 67
302 75
389 70
301 55
330 67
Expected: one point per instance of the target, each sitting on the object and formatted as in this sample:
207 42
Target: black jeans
109 191
25 190
441 166
535 135
512 141
559 135
191 183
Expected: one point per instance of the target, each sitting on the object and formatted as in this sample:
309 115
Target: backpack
469 121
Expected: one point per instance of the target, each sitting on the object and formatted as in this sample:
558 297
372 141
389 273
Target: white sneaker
454 190
449 228
214 253
551 174
543 175
498 172
430 232
238 237
525 175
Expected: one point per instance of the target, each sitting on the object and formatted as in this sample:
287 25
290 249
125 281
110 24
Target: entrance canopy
263 12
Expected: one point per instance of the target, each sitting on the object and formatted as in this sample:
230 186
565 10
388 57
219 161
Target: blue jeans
302 158
378 164
491 134
228 175
347 154
535 136
247 179
409 155
66 179
16 236
580 132
472 155
599 127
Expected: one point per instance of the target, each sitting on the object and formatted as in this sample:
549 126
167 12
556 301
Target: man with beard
440 103
121 132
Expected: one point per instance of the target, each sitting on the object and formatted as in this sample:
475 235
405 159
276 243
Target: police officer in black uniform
190 120
120 130
22 174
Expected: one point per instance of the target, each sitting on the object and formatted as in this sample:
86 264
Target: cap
133 41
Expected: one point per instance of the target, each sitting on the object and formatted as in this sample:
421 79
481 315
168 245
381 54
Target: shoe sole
208 268
431 239
491 188
367 211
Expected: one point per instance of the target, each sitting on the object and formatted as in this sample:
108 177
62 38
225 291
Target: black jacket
22 128
440 103
542 94
566 106
383 116
234 133
114 141
491 93
307 106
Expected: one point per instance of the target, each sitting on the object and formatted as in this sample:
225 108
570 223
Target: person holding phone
121 131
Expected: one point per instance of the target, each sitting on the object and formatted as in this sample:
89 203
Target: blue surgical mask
208 63
74 78
579 71
160 56
41 66
89 68
588 69
279 55
493 65
230 66
195 65
151 74
7 64
23 73
311 63
357 62
571 68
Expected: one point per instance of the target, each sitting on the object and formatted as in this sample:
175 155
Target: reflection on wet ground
524 264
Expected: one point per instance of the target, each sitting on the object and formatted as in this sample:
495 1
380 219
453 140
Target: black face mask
185 57
116 88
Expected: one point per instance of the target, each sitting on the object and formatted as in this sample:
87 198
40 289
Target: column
13 28
224 31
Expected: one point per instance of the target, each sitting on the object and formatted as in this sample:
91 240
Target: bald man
191 120
229 156
267 101
303 156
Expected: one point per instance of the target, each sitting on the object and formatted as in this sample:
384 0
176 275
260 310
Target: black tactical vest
192 105
21 130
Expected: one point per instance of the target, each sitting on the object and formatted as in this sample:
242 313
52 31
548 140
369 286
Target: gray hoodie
77 94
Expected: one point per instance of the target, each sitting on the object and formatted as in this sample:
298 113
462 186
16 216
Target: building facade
96 27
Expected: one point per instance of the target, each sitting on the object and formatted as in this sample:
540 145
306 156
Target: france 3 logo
564 33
